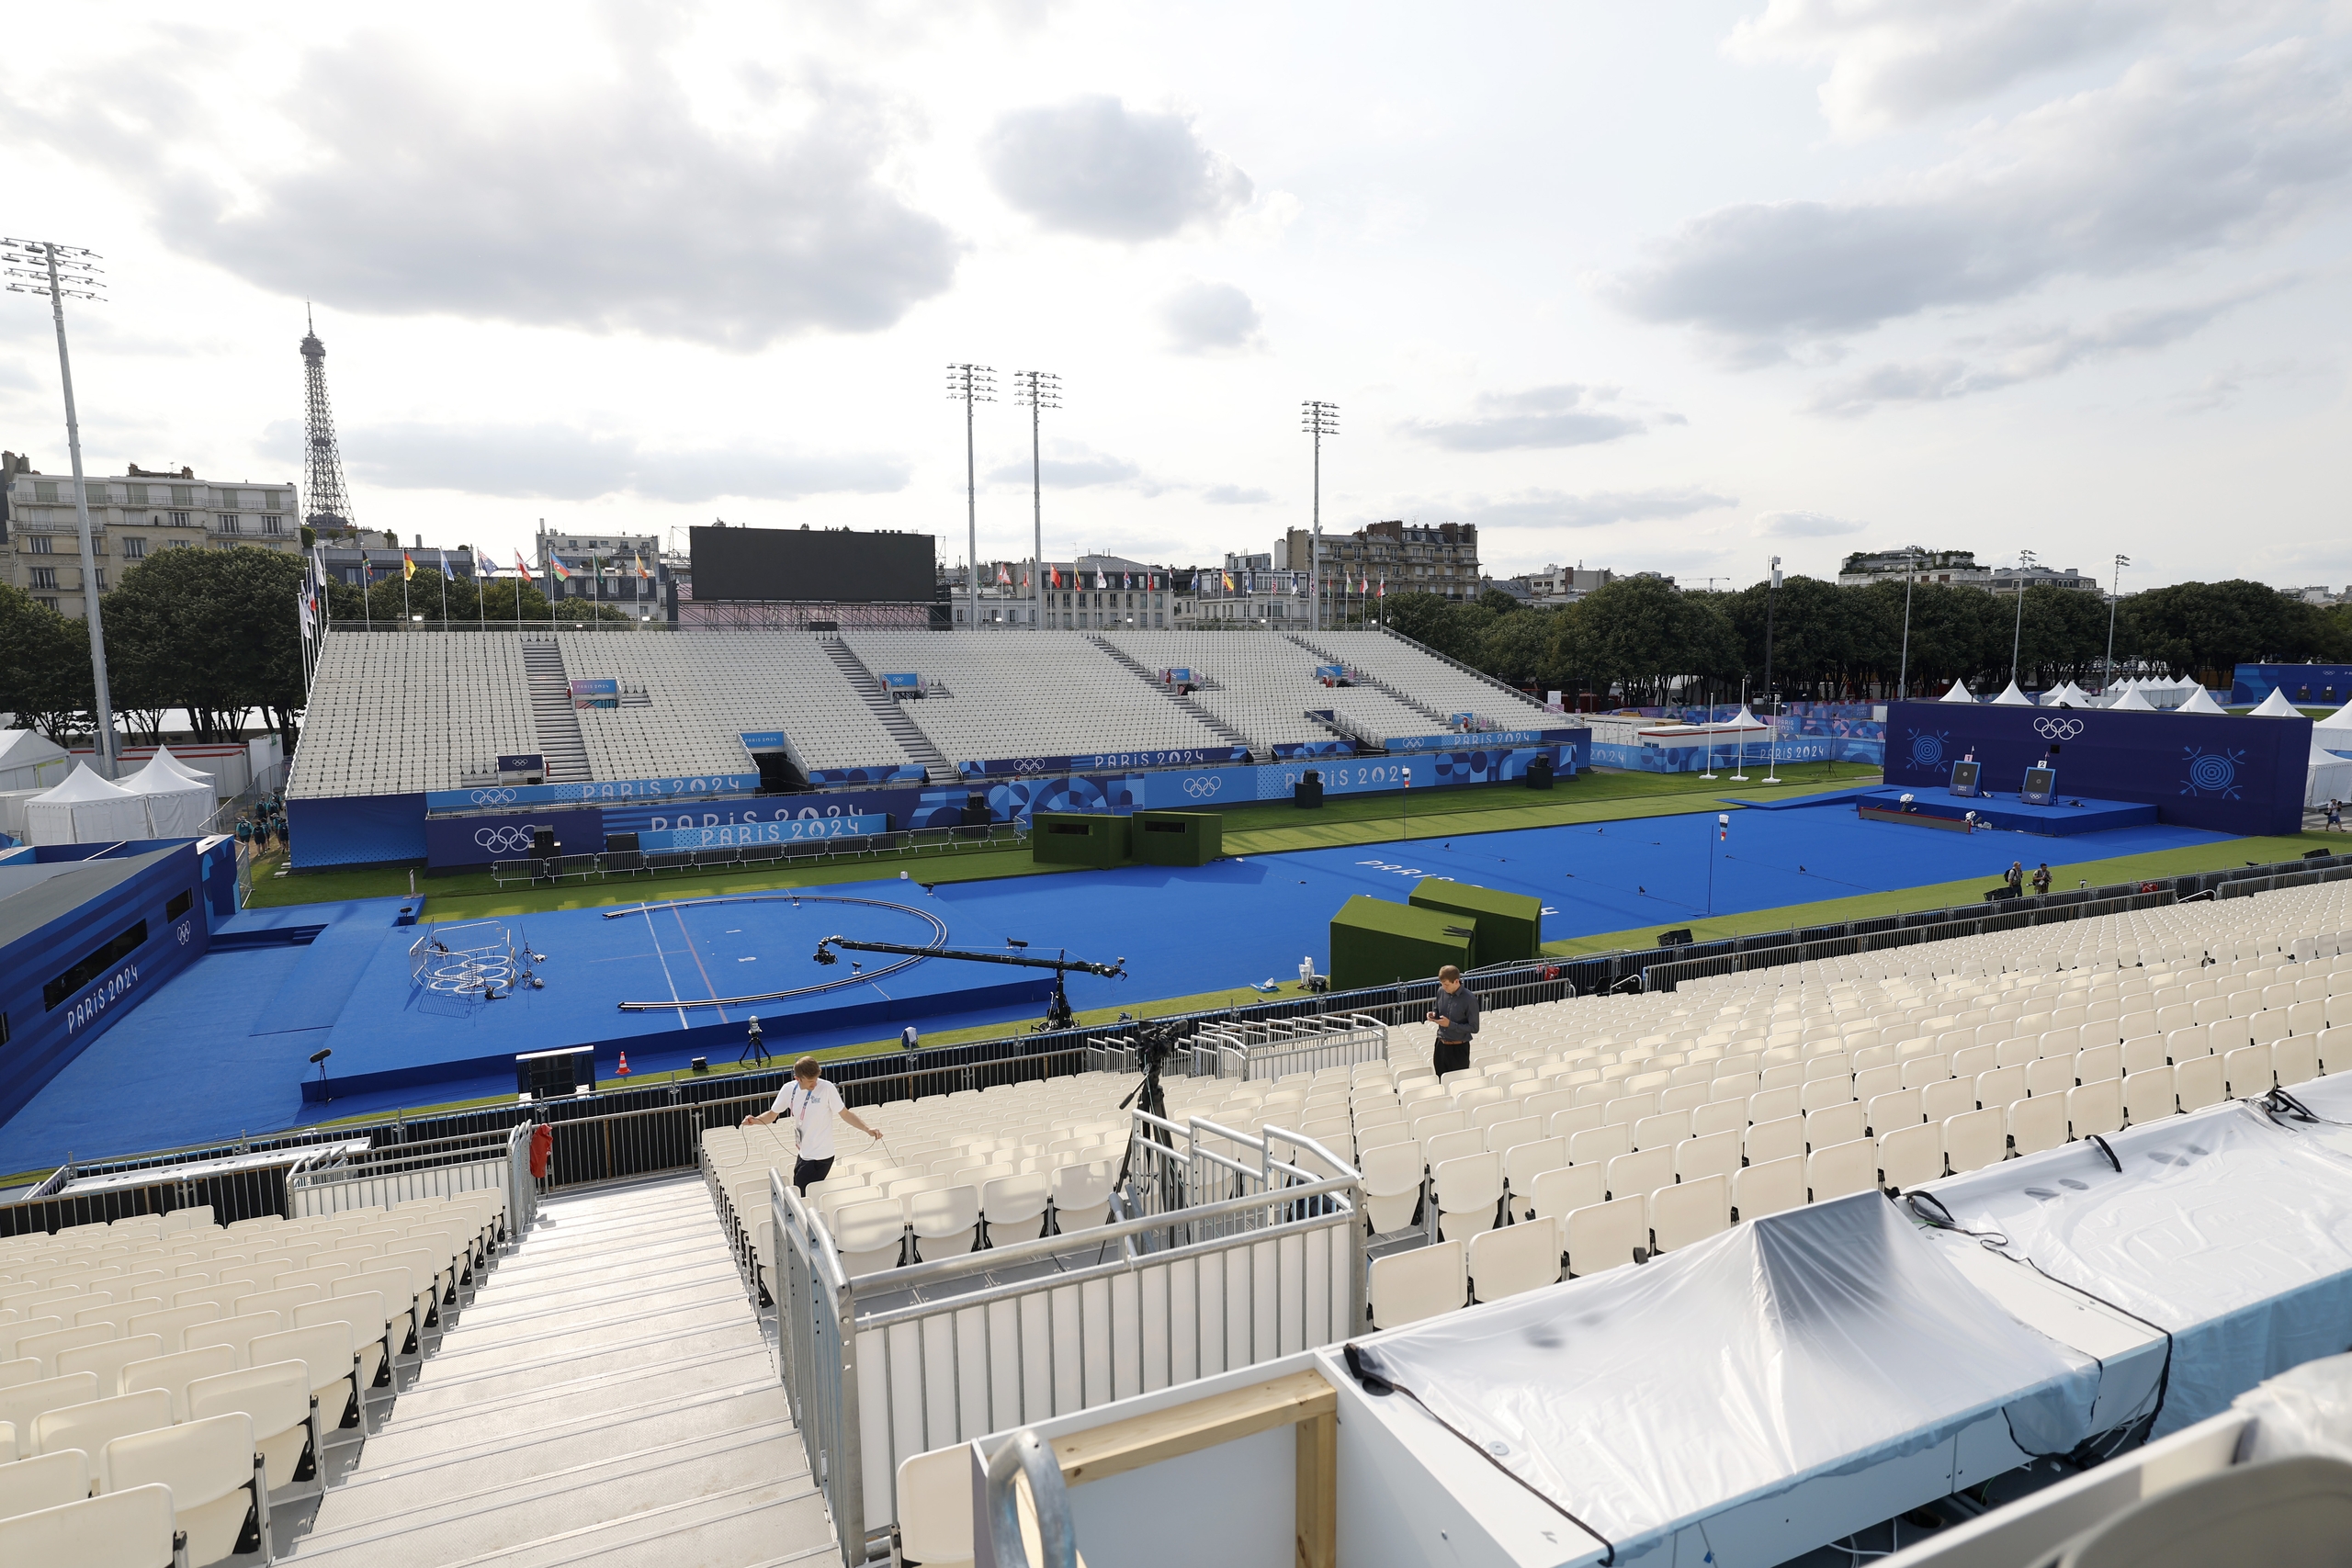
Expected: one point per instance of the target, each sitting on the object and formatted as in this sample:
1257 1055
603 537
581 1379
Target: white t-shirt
812 1111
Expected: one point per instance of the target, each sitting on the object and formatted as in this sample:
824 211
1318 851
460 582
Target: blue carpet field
223 1048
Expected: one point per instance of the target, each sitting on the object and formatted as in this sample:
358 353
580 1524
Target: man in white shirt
812 1103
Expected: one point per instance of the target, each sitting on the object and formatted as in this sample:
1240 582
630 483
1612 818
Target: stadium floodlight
2114 595
62 272
971 384
1037 391
2017 637
1319 419
1911 555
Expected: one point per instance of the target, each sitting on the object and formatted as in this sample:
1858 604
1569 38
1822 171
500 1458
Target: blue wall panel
478 841
2226 775
358 830
2310 685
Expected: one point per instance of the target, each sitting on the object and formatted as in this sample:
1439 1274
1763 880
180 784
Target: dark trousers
807 1173
1451 1057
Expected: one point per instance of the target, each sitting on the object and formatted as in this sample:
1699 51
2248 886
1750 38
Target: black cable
1374 1382
2283 1107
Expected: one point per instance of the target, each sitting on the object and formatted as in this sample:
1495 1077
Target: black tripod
1155 1043
755 1048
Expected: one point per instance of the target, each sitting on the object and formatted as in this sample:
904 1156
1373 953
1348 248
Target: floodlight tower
972 384
62 272
1037 391
1319 419
330 507
2114 596
2017 637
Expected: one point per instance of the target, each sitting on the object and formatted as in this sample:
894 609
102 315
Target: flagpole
366 583
444 588
482 611
405 564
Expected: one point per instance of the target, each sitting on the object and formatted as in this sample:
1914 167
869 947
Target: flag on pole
484 564
641 572
523 567
1101 581
1723 827
366 569
1383 588
302 604
408 566
555 563
1228 582
1057 578
1003 575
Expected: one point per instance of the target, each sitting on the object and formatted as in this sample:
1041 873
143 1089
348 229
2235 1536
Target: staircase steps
1187 704
1377 684
553 715
887 711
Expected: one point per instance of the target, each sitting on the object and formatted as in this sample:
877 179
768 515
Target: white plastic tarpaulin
2330 777
1820 1340
85 809
177 806
2229 1229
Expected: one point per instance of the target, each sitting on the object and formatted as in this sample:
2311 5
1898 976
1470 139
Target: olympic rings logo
500 841
2058 729
1201 789
493 797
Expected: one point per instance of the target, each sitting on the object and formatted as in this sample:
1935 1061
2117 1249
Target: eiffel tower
330 502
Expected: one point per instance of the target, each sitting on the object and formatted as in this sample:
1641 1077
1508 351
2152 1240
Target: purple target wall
2223 774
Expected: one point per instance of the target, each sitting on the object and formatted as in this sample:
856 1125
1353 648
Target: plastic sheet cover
1825 1339
2228 1229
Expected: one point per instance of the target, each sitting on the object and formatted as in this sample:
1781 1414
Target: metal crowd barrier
1279 1047
441 1168
951 1351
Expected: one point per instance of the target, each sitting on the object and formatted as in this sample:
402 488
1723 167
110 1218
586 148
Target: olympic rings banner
478 841
490 798
1181 789
2223 774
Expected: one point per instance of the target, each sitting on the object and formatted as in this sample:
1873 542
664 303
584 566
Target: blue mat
187 1065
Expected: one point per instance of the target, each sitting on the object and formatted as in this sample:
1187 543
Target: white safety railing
332 1182
949 1351
1275 1048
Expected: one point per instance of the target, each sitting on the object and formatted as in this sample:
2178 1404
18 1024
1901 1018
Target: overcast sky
1675 288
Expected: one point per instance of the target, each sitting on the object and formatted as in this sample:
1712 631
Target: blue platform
2071 816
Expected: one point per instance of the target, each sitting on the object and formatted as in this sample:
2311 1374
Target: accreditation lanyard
801 1100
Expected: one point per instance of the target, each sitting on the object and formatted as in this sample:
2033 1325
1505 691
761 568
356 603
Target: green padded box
1510 925
1375 942
1076 838
1177 837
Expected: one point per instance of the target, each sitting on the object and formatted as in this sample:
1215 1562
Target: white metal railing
1275 1048
948 1351
332 1182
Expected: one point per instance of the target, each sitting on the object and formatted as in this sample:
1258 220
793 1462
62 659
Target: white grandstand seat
45 1480
1911 1157
1407 1287
1974 1139
1641 1173
24 1403
1013 1207
1514 1259
2247 1071
1715 1155
2296 1060
326 1351
89 1427
213 1473
1941 1101
1776 1140
1602 1237
1392 1178
173 1373
1560 1190
936 1507
1468 1190
1841 1168
1690 1211
278 1398
117 1529
944 1224
107 1359
870 1237
1838 1124
1769 1188
1598 1146
236 1333
1522 1163
46 1348
2148 1095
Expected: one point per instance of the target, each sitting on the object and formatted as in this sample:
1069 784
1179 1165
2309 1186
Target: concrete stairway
608 1398
553 715
912 741
1187 704
1377 684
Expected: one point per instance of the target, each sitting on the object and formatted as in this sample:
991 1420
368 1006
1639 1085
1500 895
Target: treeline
1640 641
215 633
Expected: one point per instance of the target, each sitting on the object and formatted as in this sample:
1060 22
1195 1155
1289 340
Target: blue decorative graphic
2212 772
1927 750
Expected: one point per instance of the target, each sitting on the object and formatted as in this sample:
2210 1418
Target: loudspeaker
543 843
975 811
1675 939
620 843
1539 773
1308 793
2317 854
1995 895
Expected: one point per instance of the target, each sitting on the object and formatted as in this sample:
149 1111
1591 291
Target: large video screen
811 565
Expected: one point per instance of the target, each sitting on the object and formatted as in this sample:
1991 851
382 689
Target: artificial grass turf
2155 866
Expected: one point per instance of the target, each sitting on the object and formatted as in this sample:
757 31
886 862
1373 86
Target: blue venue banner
490 798
602 691
357 830
480 838
789 831
523 762
905 773
1017 767
909 682
1331 674
762 739
2223 774
1315 747
1176 789
1485 738
1177 675
2315 685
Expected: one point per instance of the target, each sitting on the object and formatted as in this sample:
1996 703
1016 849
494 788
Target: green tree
214 632
44 666
1516 647
1641 637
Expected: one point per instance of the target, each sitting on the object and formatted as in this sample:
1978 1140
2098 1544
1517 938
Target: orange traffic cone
624 1072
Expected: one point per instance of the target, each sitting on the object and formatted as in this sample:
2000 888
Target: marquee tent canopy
2012 697
1959 694
30 759
2330 778
2276 706
2202 702
177 806
85 809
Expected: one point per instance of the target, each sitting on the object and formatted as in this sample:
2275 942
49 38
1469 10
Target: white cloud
1565 415
2172 161
2026 354
1557 509
1070 468
1202 318
1805 526
1236 495
559 463
1092 166
611 210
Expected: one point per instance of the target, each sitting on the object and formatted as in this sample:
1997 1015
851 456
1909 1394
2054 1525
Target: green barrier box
1375 942
1177 837
1510 925
1073 838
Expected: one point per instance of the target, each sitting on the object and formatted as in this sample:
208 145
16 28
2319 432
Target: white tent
177 806
30 759
2330 777
2202 701
1744 720
2013 698
2066 696
85 809
2335 731
163 755
1959 694
2276 706
2132 702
